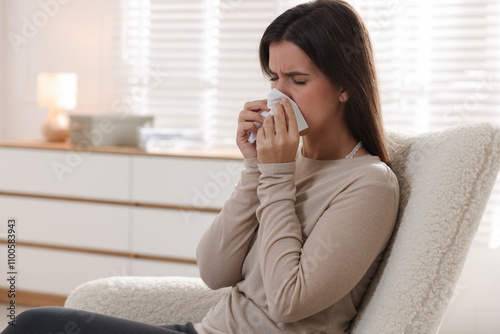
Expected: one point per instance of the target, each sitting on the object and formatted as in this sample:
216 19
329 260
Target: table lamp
56 91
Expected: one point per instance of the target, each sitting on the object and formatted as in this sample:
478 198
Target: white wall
60 36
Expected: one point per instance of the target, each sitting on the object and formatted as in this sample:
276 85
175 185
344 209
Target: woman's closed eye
296 82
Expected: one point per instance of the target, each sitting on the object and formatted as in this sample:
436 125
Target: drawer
56 272
169 233
162 269
65 173
67 223
184 181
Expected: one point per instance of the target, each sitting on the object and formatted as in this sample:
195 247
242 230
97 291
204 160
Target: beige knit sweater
299 243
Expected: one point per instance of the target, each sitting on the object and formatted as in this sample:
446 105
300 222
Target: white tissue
274 97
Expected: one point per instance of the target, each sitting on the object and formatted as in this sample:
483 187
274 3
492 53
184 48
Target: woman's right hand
246 119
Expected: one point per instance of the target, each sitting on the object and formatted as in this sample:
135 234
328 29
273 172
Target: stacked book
152 139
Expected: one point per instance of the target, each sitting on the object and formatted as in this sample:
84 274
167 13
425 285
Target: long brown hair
334 37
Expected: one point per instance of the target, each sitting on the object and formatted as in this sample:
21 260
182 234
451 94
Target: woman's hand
278 139
246 119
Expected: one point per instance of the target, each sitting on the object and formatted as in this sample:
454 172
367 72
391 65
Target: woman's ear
344 95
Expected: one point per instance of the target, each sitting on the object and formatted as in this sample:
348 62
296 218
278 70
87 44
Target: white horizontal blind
438 64
131 57
161 48
241 24
239 78
180 35
438 61
193 63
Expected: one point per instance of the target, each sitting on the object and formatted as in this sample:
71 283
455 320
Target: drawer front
66 223
56 272
162 269
184 181
169 233
65 173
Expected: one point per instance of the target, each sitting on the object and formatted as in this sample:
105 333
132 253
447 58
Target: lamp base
56 126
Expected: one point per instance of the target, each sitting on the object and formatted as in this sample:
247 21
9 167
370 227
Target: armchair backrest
445 180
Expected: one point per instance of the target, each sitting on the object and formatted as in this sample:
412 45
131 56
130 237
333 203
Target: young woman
303 233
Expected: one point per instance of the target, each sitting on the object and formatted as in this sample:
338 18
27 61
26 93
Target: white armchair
445 180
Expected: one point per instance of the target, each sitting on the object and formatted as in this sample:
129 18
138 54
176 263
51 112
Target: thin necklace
354 150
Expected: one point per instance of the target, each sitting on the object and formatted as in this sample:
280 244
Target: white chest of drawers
110 211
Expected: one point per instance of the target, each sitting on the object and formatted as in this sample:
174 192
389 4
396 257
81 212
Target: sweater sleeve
302 278
223 247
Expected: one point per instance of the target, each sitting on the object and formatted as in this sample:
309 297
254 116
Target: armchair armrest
151 300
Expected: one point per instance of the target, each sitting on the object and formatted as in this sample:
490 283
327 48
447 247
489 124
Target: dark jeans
61 320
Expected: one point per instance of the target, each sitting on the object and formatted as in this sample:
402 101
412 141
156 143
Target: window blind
194 63
438 62
438 65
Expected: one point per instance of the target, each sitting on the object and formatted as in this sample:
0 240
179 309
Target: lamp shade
56 90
